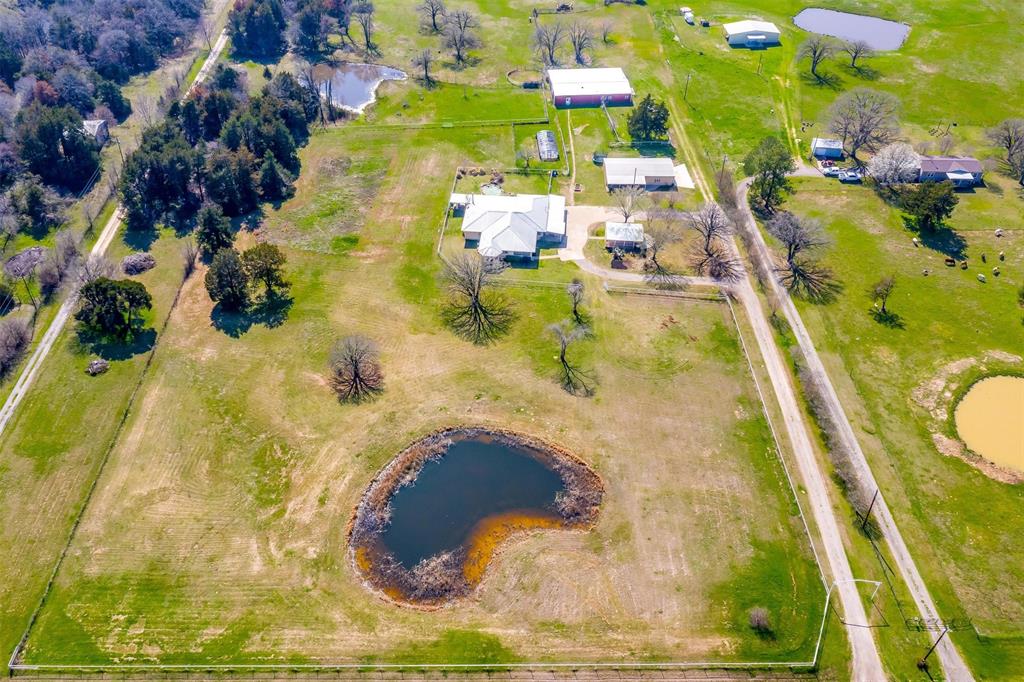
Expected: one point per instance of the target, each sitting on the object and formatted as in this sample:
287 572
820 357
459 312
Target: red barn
589 87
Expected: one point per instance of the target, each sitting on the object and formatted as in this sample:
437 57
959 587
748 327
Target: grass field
217 530
964 528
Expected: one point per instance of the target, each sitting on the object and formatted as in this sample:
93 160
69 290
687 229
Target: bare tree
810 279
629 200
858 49
15 335
363 14
473 310
817 49
423 61
606 31
205 30
9 226
894 164
799 236
582 39
94 267
459 35
572 378
433 12
759 621
662 228
147 110
355 370
712 255
1008 135
576 291
710 222
189 257
547 41
865 119
880 292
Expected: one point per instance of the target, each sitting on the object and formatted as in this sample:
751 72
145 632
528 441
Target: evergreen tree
110 94
274 181
159 178
649 120
930 203
231 182
226 281
257 27
110 308
213 229
53 145
264 263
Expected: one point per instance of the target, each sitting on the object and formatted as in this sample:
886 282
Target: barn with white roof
590 87
751 33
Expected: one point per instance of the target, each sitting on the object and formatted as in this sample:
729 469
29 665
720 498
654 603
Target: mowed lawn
965 530
217 532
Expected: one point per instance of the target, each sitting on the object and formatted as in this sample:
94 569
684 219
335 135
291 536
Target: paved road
952 663
35 361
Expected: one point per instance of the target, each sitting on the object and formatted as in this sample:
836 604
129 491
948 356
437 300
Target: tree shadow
269 312
888 318
250 222
112 349
140 239
831 81
863 72
943 239
655 148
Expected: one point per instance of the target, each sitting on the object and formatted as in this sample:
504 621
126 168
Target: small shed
625 236
590 87
97 129
649 172
547 148
826 148
752 33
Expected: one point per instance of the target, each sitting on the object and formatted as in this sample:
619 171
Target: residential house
510 226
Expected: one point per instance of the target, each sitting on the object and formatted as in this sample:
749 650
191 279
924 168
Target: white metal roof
751 26
635 171
511 222
606 81
826 143
623 232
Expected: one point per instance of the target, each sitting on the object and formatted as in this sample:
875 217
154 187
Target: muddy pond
880 34
433 519
354 86
990 420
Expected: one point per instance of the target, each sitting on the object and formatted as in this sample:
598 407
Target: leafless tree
433 12
459 33
9 226
582 39
894 164
205 30
423 61
726 187
856 50
572 378
662 228
712 255
94 267
189 257
147 110
355 370
710 222
629 200
810 279
759 621
1008 135
15 335
547 42
817 49
880 292
865 119
473 310
363 14
606 31
799 236
576 291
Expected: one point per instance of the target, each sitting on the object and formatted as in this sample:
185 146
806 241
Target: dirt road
35 361
952 663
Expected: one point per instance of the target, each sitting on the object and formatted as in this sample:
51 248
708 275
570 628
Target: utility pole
923 663
686 88
867 515
760 61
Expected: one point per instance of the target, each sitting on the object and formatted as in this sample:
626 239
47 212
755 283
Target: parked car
831 172
850 176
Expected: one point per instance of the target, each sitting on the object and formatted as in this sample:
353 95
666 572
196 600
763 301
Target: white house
510 225
626 236
751 33
962 171
826 148
652 172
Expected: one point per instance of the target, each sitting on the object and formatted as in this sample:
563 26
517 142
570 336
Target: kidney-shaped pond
354 86
429 524
880 34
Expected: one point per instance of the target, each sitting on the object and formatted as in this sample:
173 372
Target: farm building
590 87
826 148
97 129
751 33
625 236
510 225
962 171
652 173
547 148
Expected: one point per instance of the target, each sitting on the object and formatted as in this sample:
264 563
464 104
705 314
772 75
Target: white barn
751 33
510 225
649 172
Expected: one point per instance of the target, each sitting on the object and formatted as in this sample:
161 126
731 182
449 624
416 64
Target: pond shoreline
442 579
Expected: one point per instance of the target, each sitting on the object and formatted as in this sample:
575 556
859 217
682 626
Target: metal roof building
639 171
510 224
589 87
547 148
751 33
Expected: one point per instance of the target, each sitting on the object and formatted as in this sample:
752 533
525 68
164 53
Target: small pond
990 420
354 86
429 524
880 34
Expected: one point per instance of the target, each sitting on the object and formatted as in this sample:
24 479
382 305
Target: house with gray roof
510 226
962 171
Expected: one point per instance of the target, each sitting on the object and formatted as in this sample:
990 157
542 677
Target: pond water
477 478
354 86
880 34
990 420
